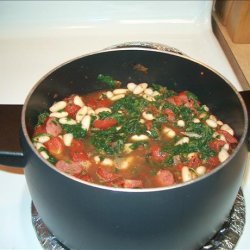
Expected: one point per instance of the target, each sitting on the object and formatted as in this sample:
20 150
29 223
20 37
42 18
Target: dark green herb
109 81
137 144
42 117
76 130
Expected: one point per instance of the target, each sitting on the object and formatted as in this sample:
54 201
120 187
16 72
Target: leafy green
76 130
42 117
109 81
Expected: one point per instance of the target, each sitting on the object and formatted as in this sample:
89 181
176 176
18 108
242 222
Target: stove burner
226 238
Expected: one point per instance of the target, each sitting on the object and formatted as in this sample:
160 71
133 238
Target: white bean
120 91
223 155
39 145
99 110
42 138
58 106
220 123
226 147
86 122
186 174
169 132
117 97
227 128
127 149
125 162
180 123
206 108
182 141
155 93
148 116
139 138
201 170
81 113
143 85
212 117
97 159
44 155
149 91
211 123
138 90
67 139
109 94
78 101
148 98
142 121
90 111
59 114
107 162
66 120
131 86
196 120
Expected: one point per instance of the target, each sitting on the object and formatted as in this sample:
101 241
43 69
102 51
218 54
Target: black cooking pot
88 216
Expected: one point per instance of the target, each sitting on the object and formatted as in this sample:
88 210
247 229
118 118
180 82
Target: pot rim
130 190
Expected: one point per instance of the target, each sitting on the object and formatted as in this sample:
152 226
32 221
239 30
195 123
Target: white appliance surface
36 36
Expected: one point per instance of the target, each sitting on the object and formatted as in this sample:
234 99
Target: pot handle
246 97
10 122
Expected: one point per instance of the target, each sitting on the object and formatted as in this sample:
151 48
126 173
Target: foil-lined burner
226 238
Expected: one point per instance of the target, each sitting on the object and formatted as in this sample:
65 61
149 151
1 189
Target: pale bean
78 101
44 154
220 123
107 162
149 91
211 123
180 123
142 121
148 116
97 159
223 155
206 108
81 113
42 138
117 97
66 120
186 174
143 85
39 145
227 128
120 91
109 94
86 122
58 106
169 132
127 149
212 117
67 139
59 114
156 93
99 110
196 120
90 111
139 138
226 147
191 134
148 98
201 170
182 141
125 163
138 90
131 86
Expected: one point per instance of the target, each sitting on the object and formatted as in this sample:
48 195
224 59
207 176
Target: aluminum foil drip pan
226 238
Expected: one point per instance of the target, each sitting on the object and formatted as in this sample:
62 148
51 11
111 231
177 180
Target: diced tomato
79 156
72 110
53 127
70 168
230 139
39 130
157 154
149 125
179 166
98 103
213 161
164 178
106 175
194 162
76 146
132 183
105 124
181 98
170 114
216 145
55 145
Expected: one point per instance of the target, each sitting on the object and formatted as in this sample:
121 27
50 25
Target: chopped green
76 130
109 81
42 117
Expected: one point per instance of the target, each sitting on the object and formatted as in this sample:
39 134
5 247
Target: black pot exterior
85 216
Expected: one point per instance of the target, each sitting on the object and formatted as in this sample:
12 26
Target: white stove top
37 36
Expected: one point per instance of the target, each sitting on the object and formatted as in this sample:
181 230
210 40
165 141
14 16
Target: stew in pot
141 136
